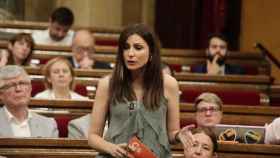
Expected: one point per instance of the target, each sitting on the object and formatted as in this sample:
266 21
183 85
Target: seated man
216 54
83 52
15 118
58 32
272 133
204 144
208 107
78 128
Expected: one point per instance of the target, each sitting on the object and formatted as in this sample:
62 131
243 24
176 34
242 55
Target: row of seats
65 110
189 91
253 63
186 59
253 96
229 87
30 25
66 148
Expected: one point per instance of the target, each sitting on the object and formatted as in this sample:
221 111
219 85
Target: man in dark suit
83 51
216 55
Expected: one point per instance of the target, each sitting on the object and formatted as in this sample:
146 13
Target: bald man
83 51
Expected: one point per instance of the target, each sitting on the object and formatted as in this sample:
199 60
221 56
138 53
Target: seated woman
19 50
204 144
208 110
59 80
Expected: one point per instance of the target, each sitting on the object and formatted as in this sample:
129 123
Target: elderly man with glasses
16 120
83 52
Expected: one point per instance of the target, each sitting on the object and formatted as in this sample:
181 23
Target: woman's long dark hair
29 40
120 89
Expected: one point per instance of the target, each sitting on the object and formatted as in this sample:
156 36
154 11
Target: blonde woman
59 80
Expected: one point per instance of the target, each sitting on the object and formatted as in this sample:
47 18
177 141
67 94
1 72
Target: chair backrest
233 97
62 125
38 86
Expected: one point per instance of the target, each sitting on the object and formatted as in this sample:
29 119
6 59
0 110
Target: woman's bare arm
171 92
99 113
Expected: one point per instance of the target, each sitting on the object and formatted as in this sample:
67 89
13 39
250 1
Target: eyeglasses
22 84
210 109
218 46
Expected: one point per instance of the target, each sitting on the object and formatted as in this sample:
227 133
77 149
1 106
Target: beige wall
113 13
38 10
95 12
260 22
138 11
131 12
148 12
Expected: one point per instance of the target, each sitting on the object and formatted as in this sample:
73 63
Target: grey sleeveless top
133 119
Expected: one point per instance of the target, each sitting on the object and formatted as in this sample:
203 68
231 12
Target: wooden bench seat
184 107
260 82
103 39
274 95
255 93
65 110
233 114
180 76
250 86
69 148
32 25
253 63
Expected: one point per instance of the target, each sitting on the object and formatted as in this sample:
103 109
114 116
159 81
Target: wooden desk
233 114
258 85
236 114
189 58
32 25
67 148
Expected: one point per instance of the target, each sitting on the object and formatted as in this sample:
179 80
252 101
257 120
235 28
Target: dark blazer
97 64
229 69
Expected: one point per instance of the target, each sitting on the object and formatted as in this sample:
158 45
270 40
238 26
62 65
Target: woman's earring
151 58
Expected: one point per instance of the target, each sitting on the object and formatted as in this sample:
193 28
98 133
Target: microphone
131 108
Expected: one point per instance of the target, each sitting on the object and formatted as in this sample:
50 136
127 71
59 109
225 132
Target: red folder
139 150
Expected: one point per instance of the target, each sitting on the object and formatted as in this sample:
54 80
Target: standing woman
137 99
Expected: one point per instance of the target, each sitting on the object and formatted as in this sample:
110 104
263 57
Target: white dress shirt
20 129
43 37
49 94
272 133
